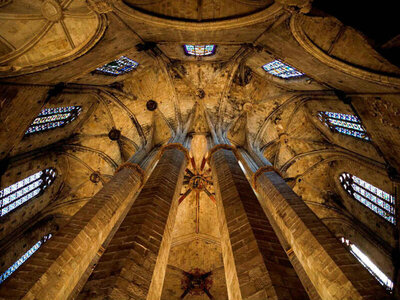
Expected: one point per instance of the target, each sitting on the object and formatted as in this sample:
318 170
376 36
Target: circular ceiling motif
196 282
35 35
114 134
151 105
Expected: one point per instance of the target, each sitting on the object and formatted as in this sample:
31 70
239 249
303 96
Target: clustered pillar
256 265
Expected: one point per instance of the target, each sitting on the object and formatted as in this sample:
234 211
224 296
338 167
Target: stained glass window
33 186
119 66
368 264
23 258
344 123
279 69
199 50
51 118
372 197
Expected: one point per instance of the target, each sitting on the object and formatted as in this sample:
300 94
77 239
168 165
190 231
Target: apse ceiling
65 41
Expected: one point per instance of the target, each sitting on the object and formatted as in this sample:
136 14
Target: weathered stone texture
14 117
137 256
53 272
262 266
335 273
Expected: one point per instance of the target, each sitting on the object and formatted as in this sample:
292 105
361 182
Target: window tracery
368 264
199 50
50 118
24 258
119 66
282 70
370 196
33 186
344 123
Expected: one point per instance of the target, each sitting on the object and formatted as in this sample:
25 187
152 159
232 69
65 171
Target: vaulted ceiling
48 42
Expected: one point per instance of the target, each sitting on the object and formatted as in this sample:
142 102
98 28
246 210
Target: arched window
33 186
343 123
282 70
23 258
199 50
368 264
51 118
372 197
119 66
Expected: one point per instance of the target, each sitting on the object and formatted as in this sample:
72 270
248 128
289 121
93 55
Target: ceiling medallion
151 105
51 10
114 134
95 177
247 107
196 282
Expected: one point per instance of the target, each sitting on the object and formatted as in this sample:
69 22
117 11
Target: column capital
177 146
134 167
262 170
220 147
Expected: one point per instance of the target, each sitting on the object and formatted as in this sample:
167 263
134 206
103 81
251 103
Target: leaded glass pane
119 66
370 196
23 258
15 195
344 123
368 264
279 69
53 117
199 50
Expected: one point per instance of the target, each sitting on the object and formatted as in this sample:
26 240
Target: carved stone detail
52 10
387 113
100 6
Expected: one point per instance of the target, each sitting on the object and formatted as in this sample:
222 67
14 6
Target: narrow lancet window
199 50
51 118
372 197
23 258
368 264
119 66
282 70
343 123
33 186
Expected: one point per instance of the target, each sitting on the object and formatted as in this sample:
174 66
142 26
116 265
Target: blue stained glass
119 66
23 258
372 197
199 50
50 118
15 195
279 69
344 123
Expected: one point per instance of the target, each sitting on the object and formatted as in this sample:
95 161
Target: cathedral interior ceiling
47 42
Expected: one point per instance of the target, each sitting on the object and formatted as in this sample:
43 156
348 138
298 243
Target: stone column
251 165
15 118
256 265
134 264
334 272
54 271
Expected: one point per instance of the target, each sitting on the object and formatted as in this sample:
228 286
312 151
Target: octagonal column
256 265
334 272
54 271
134 263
